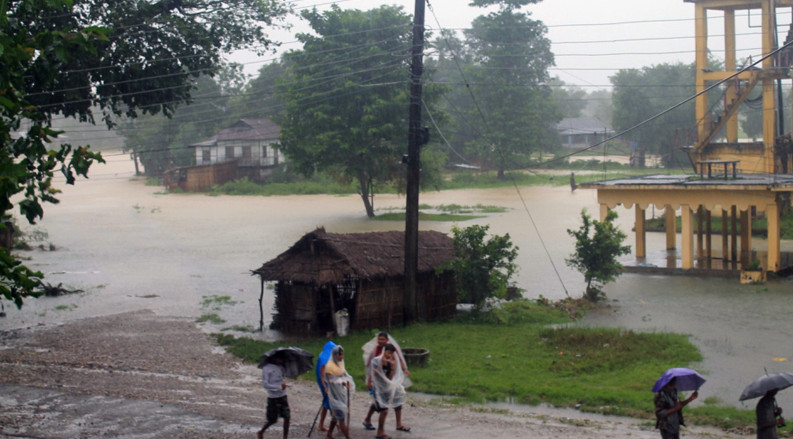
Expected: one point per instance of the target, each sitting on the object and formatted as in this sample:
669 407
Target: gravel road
141 375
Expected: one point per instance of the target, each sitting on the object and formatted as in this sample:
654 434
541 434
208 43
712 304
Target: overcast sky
590 39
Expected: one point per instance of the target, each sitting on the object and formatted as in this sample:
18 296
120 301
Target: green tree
514 111
482 268
570 99
597 247
160 141
124 57
347 97
642 93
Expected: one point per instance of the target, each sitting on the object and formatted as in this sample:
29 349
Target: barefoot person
338 386
385 380
277 404
669 410
372 349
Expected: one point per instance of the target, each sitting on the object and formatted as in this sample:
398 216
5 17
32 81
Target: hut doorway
334 298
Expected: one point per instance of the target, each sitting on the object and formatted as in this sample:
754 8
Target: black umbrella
766 383
296 361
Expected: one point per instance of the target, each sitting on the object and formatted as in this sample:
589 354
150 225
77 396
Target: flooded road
131 247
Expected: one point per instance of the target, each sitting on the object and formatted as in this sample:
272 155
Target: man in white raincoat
373 349
385 380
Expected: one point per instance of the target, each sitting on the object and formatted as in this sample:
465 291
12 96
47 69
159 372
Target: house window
229 152
264 150
206 155
246 152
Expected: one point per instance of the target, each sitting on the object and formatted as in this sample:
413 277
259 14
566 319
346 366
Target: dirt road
139 375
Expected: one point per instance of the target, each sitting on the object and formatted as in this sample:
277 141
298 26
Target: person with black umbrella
769 416
277 403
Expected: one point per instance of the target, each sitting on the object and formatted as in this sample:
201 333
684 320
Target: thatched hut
362 273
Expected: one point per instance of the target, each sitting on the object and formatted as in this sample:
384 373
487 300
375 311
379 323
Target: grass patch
211 318
443 212
424 216
512 354
215 301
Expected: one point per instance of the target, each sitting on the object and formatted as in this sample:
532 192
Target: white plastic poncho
337 382
371 350
387 379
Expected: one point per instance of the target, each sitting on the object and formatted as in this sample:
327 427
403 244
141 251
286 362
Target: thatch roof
320 257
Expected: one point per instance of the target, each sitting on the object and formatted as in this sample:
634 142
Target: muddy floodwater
129 246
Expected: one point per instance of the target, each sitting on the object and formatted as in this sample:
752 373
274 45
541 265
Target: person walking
319 370
372 349
669 410
769 416
338 386
385 380
277 403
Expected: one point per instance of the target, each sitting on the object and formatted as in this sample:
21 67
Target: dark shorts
277 407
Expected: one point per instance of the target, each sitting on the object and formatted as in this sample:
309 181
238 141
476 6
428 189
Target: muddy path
141 375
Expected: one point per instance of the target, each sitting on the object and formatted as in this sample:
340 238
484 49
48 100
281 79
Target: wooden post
700 220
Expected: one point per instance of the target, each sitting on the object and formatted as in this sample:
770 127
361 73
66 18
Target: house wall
199 178
262 153
296 309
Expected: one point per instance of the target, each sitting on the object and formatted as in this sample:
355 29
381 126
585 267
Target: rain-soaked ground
131 247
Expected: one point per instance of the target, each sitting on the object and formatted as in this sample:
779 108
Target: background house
582 132
247 148
362 273
250 142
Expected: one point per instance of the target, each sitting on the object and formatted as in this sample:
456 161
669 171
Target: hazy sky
590 39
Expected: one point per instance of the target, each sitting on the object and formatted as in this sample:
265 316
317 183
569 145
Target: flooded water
130 247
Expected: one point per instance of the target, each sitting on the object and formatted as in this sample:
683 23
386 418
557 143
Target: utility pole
415 139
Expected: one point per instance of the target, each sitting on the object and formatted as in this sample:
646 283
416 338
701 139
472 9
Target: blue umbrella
687 379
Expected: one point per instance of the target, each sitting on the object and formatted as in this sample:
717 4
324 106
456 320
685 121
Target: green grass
443 212
514 355
424 216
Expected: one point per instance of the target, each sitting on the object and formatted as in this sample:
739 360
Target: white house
252 143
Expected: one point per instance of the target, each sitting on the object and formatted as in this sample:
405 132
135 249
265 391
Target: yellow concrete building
733 180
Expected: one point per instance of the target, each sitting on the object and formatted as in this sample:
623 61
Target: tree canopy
514 113
122 57
346 97
482 267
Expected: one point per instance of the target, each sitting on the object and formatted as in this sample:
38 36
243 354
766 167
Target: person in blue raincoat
323 358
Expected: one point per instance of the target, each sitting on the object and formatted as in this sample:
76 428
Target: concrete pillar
708 236
671 227
746 237
734 234
687 236
604 211
700 231
730 66
725 235
641 241
772 214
